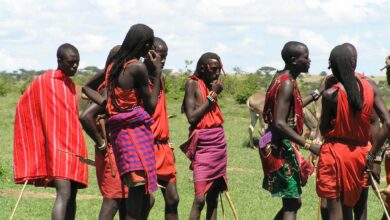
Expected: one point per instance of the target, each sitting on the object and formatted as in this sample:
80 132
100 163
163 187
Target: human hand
388 61
217 86
385 191
313 159
155 58
376 171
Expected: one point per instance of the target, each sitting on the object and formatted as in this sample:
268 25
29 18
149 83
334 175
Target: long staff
17 202
231 205
102 123
375 186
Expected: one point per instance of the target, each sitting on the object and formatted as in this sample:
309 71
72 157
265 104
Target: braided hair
340 61
201 66
132 47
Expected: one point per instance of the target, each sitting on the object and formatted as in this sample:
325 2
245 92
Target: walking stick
223 210
231 205
17 202
319 209
102 123
379 195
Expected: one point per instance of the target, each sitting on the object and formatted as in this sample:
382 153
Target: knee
251 128
64 194
173 200
199 202
292 205
151 200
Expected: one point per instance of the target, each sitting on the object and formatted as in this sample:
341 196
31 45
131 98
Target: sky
247 33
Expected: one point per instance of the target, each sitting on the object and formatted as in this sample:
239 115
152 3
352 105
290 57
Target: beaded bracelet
370 156
210 97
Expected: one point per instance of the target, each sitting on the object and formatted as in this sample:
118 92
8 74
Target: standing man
114 192
48 134
165 161
285 171
130 104
207 135
165 167
348 108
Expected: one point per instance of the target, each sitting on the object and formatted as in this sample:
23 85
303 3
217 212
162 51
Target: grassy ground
244 174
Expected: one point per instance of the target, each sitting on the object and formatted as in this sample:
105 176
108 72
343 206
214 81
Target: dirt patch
41 195
240 170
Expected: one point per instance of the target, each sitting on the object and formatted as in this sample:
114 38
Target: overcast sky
245 33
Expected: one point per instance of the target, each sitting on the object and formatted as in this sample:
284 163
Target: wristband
212 96
102 147
315 94
370 156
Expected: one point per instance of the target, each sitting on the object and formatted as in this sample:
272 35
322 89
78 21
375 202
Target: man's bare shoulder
191 83
330 94
135 67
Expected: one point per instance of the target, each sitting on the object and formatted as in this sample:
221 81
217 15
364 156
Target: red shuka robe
46 122
165 161
342 159
213 118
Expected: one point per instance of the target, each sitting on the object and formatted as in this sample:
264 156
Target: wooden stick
379 195
319 209
231 205
223 210
17 202
102 123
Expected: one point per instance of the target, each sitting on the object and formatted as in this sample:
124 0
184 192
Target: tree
187 63
266 70
323 73
237 70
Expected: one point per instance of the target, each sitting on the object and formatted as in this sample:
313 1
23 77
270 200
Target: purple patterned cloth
132 141
211 155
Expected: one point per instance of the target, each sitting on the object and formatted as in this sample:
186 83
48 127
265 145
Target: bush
242 95
5 85
25 85
175 85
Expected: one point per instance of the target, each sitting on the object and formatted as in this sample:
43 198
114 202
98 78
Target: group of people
127 119
349 149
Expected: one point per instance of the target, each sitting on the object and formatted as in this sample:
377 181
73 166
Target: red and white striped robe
46 120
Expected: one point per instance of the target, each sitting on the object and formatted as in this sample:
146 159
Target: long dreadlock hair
201 66
340 61
132 46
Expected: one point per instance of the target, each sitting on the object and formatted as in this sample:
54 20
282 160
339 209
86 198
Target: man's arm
88 121
285 96
90 88
194 114
381 110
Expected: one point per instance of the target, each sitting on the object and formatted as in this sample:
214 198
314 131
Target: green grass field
244 174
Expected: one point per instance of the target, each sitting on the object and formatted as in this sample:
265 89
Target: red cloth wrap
125 99
46 120
271 97
165 160
213 118
342 159
110 187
